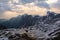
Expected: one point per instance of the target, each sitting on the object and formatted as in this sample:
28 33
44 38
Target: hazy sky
12 8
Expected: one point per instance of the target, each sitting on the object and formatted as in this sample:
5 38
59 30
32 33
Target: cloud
56 10
43 4
27 1
38 7
8 15
30 1
4 6
15 5
42 0
55 7
40 3
57 4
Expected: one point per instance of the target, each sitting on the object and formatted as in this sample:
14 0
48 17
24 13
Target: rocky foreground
24 34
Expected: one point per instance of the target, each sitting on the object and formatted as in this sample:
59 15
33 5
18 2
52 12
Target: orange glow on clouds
25 10
56 10
31 10
34 10
9 14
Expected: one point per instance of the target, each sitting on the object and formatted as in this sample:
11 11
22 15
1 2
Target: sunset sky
13 8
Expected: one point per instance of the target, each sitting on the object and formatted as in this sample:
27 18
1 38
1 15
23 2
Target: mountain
48 25
1 25
30 20
21 21
2 20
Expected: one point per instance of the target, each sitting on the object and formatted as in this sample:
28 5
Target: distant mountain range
30 20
